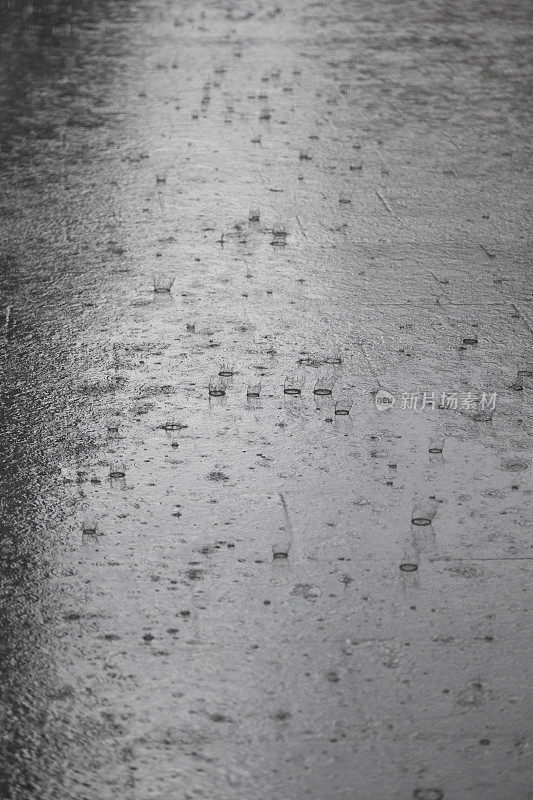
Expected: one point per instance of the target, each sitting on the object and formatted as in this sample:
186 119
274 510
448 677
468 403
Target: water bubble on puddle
68 475
116 248
324 386
191 327
484 415
424 513
526 370
254 215
281 549
112 426
471 339
217 387
173 425
436 446
317 359
293 384
345 198
163 282
332 358
253 390
115 380
160 178
305 155
428 794
343 406
89 525
410 559
514 464
307 359
117 469
279 232
525 376
306 590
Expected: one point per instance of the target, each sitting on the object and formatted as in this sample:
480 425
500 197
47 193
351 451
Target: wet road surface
201 595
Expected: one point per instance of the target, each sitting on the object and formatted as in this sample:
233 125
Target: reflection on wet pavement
265 339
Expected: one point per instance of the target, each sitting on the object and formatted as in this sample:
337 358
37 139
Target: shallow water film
266 345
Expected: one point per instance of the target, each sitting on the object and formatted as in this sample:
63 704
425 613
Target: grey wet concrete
168 655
